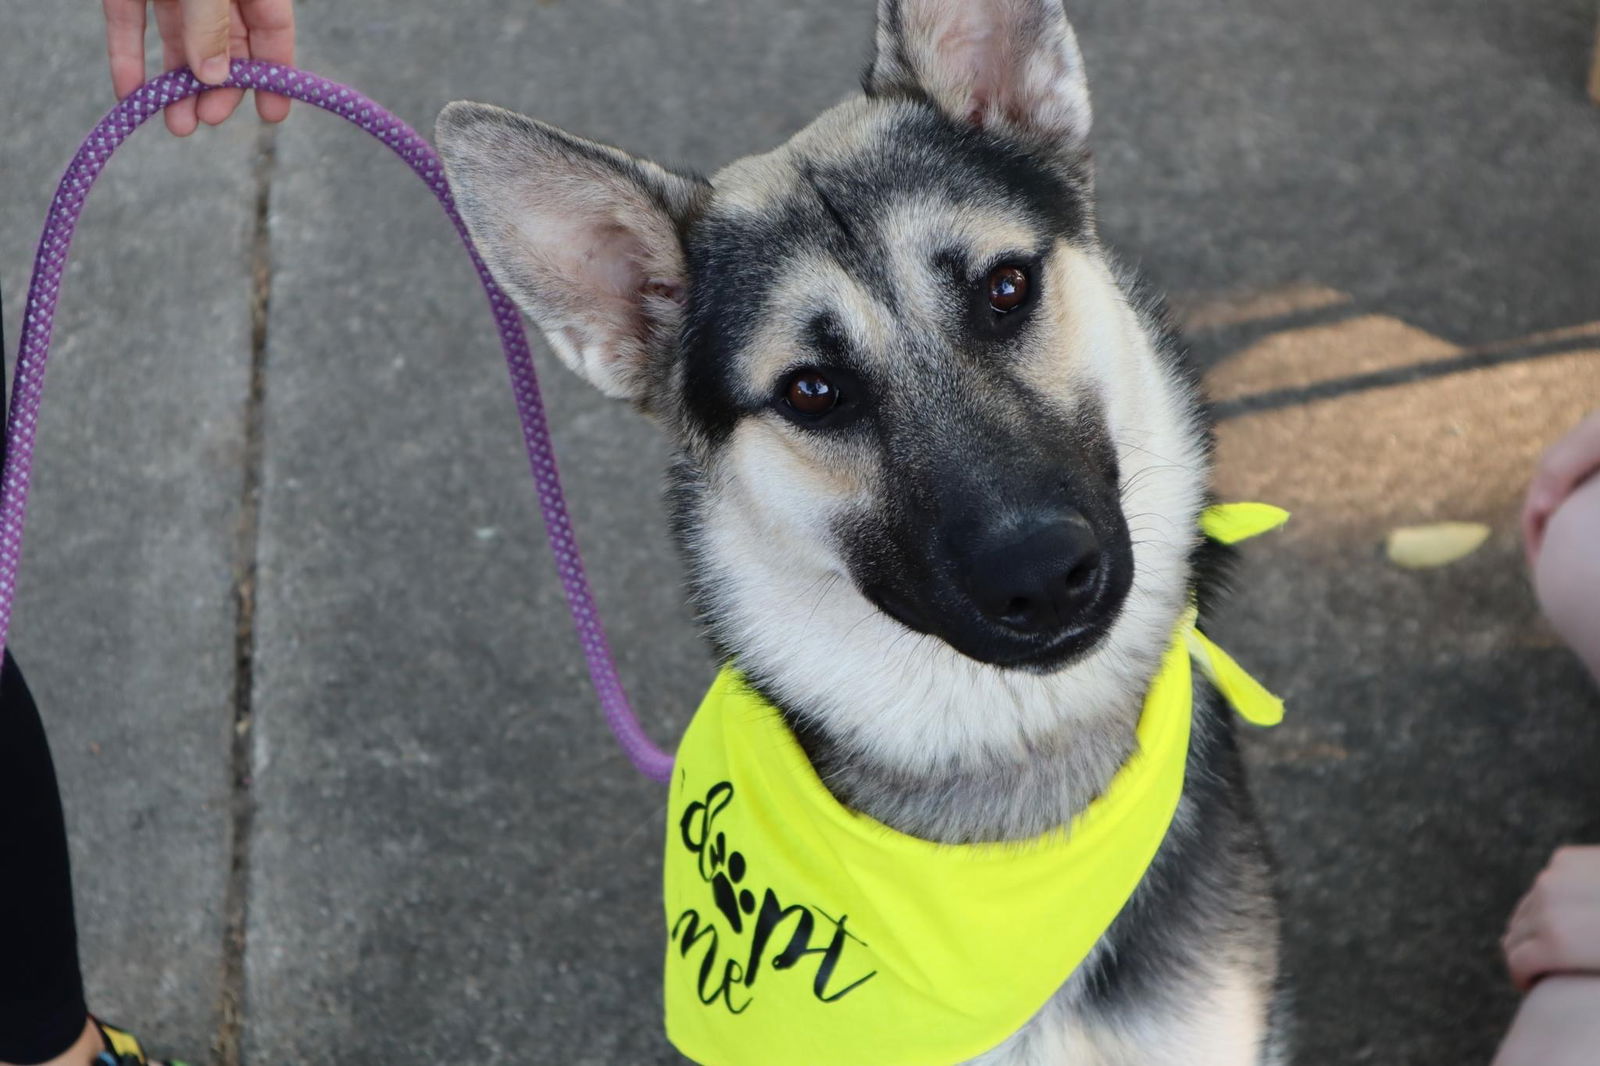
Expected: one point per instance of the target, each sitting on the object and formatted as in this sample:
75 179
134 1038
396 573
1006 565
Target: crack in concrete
226 1046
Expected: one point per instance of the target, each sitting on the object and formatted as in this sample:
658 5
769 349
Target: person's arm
204 34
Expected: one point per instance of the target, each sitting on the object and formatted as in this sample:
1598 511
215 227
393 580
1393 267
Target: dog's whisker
827 584
1123 442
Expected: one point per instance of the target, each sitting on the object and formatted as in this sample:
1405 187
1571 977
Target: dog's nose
1039 576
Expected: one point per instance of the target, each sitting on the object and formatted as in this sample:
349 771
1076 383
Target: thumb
205 38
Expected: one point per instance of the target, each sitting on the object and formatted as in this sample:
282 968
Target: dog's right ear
583 236
1009 65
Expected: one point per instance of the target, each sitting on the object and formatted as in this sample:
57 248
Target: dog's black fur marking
827 339
894 22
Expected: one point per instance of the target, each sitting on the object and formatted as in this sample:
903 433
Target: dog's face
916 415
886 332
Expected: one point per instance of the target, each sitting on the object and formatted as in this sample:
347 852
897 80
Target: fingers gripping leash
50 263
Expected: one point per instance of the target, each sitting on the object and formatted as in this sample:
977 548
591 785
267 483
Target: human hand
1558 1024
205 34
1564 465
1556 927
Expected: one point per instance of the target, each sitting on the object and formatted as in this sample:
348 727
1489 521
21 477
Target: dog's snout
1037 577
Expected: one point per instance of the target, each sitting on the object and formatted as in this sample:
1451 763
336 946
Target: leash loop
39 320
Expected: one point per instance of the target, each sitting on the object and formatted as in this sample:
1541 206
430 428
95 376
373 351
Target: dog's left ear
1012 65
583 236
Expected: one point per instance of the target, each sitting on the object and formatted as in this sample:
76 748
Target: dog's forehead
866 157
841 138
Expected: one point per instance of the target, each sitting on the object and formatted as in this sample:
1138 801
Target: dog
939 463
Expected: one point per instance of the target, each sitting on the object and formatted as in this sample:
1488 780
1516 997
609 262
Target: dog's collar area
803 932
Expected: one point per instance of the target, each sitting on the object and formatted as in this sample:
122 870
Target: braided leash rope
39 321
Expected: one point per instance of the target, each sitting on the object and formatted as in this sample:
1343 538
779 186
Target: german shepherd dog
938 468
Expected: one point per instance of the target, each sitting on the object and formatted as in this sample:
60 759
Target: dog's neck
993 797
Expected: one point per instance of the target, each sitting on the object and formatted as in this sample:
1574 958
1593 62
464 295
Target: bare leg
1566 574
1557 1025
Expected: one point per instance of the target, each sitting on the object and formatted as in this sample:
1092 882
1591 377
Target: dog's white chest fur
1221 1021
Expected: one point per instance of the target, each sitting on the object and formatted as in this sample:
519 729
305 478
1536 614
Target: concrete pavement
1380 218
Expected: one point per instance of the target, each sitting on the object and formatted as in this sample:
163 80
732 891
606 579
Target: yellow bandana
804 934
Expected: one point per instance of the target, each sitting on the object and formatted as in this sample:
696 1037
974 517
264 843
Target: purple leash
28 385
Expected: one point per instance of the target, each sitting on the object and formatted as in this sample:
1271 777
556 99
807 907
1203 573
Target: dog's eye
811 394
1008 288
821 397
